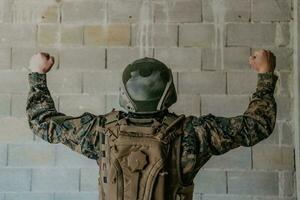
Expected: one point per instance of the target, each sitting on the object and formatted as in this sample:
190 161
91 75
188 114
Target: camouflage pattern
202 137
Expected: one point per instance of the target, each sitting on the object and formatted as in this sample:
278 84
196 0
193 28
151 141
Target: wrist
36 78
267 81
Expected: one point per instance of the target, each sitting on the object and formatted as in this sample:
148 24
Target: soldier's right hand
41 62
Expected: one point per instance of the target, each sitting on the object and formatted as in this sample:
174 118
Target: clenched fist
263 61
41 63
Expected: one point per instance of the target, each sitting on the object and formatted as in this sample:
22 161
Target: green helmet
147 87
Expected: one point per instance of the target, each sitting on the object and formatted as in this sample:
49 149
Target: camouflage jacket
203 136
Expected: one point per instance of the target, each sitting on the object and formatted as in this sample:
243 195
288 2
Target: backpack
141 159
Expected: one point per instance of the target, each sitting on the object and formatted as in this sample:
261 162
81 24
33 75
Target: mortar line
178 35
10 104
226 176
31 177
130 33
10 58
7 154
251 152
177 84
82 88
55 155
153 52
105 58
83 35
79 181
226 83
251 10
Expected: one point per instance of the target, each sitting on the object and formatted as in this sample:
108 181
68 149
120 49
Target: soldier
148 153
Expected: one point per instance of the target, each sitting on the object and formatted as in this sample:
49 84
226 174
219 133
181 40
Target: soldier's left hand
263 61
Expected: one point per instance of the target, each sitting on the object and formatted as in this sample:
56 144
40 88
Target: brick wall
207 44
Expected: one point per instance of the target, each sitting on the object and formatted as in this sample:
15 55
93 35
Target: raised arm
80 133
218 135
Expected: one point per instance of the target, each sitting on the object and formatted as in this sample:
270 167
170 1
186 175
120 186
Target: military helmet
147 87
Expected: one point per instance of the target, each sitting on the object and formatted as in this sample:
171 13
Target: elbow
43 131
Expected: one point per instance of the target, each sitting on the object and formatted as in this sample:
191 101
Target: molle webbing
142 159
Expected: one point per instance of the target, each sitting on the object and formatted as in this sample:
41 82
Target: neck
159 114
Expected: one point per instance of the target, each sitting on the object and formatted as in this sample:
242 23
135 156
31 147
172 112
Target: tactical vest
141 160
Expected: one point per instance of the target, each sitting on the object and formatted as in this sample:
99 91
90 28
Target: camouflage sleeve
217 135
79 133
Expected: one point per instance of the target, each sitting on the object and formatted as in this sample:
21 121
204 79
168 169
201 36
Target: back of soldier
148 153
140 155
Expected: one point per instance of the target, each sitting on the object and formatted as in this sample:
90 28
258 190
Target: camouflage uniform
202 136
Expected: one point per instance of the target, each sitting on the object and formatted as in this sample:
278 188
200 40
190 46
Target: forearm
260 116
40 107
218 135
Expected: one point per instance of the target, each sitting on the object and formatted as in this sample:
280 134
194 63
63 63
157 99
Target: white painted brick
224 105
287 134
201 35
5 57
162 35
236 58
124 11
179 11
273 198
187 104
119 58
239 158
112 101
235 10
18 105
14 180
17 34
101 82
284 104
67 158
64 81
257 34
49 34
274 137
267 157
83 12
82 58
77 104
284 86
28 196
3 154
55 180
210 182
202 83
9 132
21 57
211 59
71 35
29 155
4 105
225 197
287 183
89 179
253 183
272 10
241 82
77 196
180 59
17 81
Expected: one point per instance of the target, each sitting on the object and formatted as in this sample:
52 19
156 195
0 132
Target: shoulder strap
169 131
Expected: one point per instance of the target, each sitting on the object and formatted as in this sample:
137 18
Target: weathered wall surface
206 42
